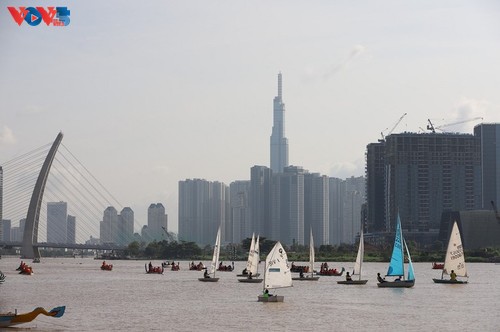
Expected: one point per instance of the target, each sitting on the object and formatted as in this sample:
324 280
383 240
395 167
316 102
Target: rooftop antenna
279 86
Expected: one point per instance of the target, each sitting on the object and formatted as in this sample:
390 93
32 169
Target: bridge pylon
30 236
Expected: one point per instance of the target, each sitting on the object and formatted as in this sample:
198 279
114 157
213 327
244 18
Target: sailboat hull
307 278
246 275
397 284
272 298
352 282
447 281
208 279
251 281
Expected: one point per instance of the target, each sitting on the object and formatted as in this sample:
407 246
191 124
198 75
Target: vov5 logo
57 16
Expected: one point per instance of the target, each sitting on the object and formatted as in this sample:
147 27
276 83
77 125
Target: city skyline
177 98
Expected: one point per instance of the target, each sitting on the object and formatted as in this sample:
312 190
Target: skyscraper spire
280 96
279 143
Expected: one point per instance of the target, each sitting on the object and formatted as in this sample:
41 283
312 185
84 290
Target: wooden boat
325 271
454 263
153 269
25 269
11 319
253 263
437 266
357 264
396 266
276 274
213 266
106 267
311 276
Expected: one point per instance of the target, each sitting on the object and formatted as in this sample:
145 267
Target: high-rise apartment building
126 226
240 226
260 200
57 222
489 135
71 230
279 143
157 221
316 208
6 227
287 211
423 175
336 210
203 207
109 225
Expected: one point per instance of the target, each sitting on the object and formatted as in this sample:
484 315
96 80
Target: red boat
196 267
25 269
325 271
106 267
153 269
437 266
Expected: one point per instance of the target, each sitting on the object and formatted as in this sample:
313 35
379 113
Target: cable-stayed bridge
52 174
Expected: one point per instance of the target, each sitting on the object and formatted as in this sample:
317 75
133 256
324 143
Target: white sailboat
253 264
276 274
454 263
357 265
309 277
215 259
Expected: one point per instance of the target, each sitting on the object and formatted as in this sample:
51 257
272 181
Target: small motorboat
437 266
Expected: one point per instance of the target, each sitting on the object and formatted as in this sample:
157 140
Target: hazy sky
148 93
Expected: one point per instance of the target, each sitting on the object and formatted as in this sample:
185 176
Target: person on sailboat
379 278
398 278
348 277
301 274
250 275
205 274
453 275
266 293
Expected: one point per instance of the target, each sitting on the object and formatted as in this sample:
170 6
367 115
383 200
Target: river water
128 299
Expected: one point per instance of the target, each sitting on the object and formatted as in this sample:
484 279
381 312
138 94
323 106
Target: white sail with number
251 253
455 259
277 273
215 257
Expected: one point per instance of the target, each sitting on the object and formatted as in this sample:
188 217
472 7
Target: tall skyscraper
279 143
240 226
71 230
316 208
109 225
57 222
126 226
203 207
6 227
422 175
489 134
157 221
260 200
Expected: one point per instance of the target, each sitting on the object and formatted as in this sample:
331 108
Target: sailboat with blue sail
397 264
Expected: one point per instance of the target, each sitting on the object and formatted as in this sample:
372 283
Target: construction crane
497 215
392 129
433 128
170 237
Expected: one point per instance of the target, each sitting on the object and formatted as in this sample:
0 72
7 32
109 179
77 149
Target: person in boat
150 266
379 278
205 274
453 276
398 278
250 275
266 293
301 274
103 263
348 277
244 271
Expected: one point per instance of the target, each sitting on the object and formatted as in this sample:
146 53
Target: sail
311 253
359 257
251 254
411 274
455 259
277 273
215 258
255 258
396 267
